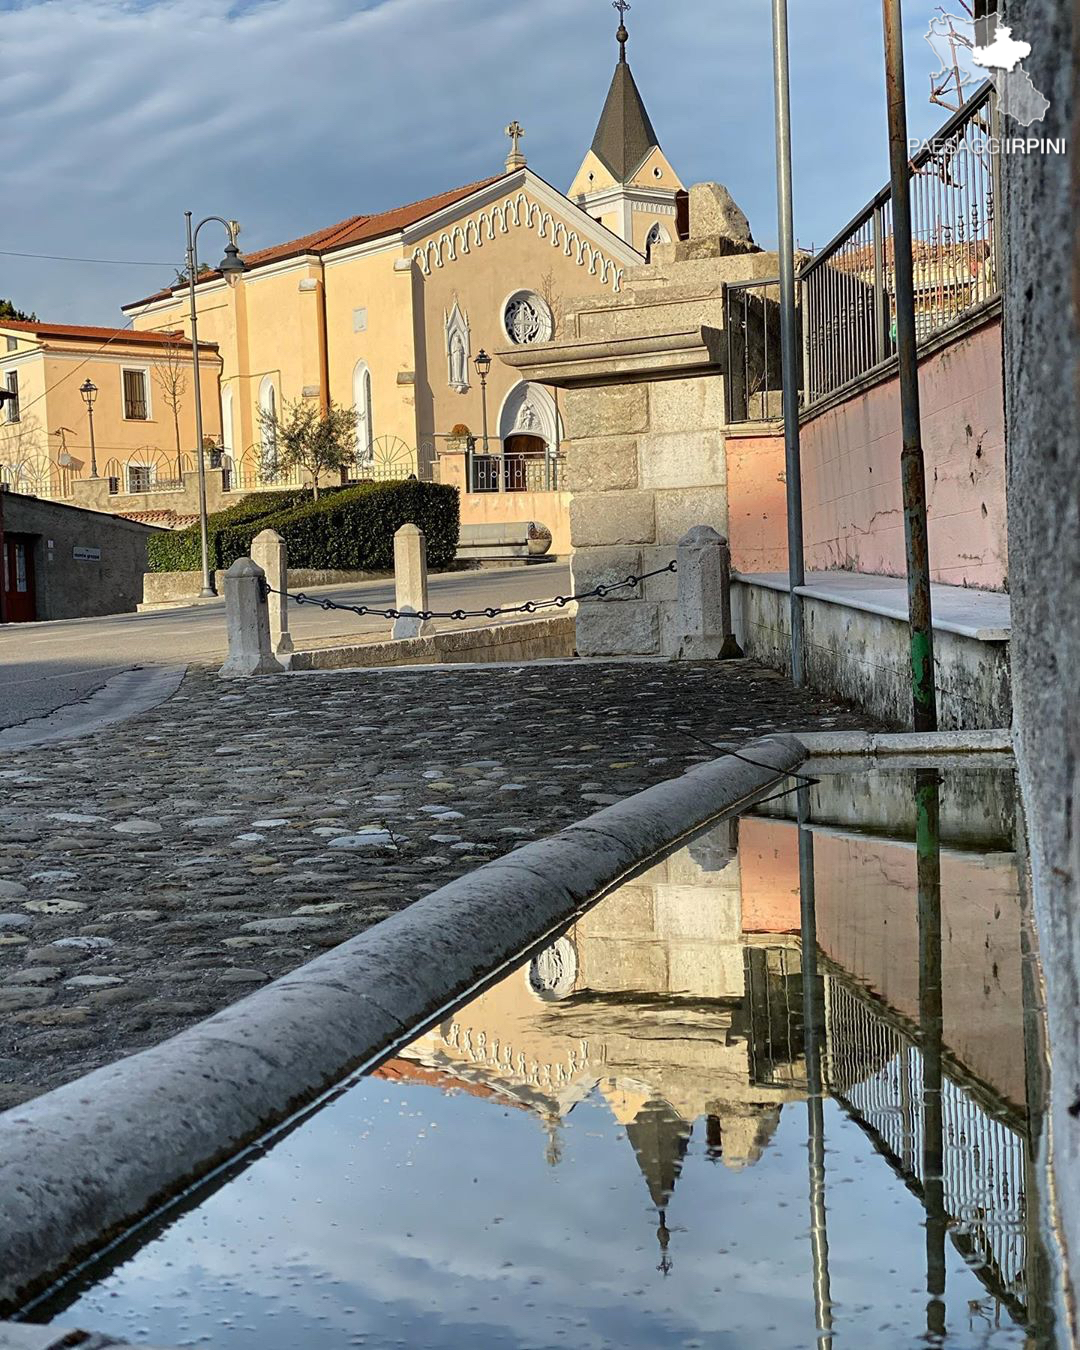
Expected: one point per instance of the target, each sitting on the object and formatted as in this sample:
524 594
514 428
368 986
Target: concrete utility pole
912 466
789 336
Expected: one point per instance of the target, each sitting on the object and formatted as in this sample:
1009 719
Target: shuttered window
135 409
11 407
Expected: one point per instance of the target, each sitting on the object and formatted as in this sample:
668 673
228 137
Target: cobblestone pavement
160 869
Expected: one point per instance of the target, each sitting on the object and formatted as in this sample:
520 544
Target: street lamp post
88 389
231 268
483 369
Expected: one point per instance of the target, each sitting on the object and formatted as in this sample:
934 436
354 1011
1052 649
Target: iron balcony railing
849 288
847 292
513 472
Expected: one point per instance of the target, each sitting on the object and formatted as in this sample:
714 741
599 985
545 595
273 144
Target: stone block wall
645 463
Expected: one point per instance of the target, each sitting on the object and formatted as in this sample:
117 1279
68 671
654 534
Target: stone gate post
247 622
270 551
703 611
410 582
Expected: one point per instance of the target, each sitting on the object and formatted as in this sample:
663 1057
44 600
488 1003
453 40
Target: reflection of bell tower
626 182
660 1137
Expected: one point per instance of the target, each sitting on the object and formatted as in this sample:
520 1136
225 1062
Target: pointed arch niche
458 348
529 411
268 404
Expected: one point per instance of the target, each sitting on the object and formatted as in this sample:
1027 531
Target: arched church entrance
528 428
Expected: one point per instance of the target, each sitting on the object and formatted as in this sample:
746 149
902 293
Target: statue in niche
458 371
457 349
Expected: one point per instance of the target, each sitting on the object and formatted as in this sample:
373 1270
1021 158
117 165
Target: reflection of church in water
678 1001
656 1000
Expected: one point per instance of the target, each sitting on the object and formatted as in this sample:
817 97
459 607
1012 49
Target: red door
19 604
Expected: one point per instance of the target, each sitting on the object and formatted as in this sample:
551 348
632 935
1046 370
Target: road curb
836 743
80 1164
125 695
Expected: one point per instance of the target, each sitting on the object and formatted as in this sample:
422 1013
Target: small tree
305 437
8 311
170 375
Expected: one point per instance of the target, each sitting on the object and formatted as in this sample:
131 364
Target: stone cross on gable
515 159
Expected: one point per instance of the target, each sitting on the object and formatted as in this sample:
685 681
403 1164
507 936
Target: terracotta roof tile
355 230
170 520
90 332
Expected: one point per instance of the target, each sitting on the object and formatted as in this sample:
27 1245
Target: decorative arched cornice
517 212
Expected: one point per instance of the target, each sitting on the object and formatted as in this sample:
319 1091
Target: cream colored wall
601 180
49 382
372 282
646 177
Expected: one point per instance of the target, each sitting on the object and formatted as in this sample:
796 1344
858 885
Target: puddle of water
678 1125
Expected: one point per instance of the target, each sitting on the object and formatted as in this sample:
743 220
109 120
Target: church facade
387 313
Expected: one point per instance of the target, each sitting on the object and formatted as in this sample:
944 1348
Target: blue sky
292 114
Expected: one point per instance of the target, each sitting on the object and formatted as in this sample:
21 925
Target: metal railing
848 290
875 1070
754 384
513 473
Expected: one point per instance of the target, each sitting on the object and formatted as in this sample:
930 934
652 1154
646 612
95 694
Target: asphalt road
46 665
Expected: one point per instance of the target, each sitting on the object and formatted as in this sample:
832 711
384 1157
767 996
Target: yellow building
388 312
143 411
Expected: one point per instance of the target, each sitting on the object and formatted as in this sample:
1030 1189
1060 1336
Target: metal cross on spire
623 37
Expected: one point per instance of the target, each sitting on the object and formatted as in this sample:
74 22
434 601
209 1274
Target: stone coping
520 640
85 1161
984 616
588 362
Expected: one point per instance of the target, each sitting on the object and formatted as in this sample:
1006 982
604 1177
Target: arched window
365 431
268 411
657 235
227 422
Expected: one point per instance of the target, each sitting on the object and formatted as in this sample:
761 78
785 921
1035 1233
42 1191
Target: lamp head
482 363
88 389
232 267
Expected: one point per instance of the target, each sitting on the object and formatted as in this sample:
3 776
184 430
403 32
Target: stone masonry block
612 410
687 405
686 459
605 465
599 518
601 566
606 629
680 509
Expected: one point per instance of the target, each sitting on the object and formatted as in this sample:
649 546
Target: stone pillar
247 622
269 550
703 614
410 582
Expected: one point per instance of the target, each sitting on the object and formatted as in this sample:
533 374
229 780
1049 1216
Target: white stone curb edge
81 1163
830 743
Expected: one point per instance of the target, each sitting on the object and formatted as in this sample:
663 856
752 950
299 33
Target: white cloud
290 114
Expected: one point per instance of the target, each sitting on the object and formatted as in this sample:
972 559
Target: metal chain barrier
529 607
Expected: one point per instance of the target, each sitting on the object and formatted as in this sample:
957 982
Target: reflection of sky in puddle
500 1182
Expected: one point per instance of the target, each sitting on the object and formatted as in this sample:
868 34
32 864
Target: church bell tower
626 181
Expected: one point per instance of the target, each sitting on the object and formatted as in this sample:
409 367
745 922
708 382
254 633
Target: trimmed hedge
353 529
180 551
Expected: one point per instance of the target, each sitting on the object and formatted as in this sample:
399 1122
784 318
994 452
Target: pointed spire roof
625 135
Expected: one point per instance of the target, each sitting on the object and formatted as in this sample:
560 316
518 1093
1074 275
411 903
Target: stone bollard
269 550
247 622
704 598
410 582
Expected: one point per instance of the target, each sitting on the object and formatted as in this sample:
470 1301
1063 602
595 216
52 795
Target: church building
388 313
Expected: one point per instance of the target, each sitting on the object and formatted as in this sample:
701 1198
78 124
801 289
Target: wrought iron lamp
483 369
232 268
89 391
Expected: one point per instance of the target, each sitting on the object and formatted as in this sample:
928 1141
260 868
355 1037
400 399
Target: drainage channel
783 1086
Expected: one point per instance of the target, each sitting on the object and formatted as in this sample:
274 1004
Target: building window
140 477
527 318
11 384
365 431
359 320
657 235
136 408
12 344
268 427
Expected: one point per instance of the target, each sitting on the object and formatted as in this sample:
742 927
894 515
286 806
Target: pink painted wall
852 503
757 510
